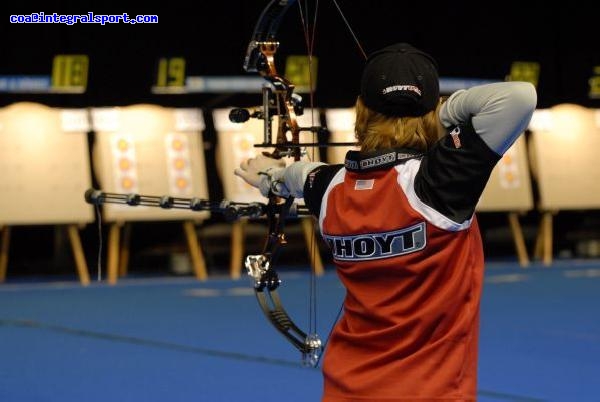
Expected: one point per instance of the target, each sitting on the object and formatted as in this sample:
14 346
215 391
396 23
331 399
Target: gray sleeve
500 112
288 181
294 176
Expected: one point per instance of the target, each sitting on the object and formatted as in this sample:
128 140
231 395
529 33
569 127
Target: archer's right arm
499 112
483 122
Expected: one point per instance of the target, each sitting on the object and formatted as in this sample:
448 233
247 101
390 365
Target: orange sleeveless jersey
409 331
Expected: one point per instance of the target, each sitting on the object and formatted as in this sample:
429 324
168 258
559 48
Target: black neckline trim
357 161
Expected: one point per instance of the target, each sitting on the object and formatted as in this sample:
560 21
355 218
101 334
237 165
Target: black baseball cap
400 80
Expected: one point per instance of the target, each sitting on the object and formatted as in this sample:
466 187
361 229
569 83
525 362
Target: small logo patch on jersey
455 139
374 246
311 179
364 184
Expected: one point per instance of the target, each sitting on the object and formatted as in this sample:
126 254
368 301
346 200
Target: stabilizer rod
229 209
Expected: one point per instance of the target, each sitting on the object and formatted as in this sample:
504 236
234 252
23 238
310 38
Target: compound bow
279 99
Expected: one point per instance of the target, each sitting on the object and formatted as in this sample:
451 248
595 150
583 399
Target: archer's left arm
271 176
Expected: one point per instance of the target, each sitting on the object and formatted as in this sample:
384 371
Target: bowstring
309 38
99 268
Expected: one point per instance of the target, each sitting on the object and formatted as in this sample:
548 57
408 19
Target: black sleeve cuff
316 184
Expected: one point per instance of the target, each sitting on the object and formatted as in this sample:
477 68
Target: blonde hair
374 130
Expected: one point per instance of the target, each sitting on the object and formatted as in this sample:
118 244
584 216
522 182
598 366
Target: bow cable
362 51
309 37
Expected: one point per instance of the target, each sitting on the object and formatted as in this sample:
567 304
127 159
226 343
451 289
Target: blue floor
178 339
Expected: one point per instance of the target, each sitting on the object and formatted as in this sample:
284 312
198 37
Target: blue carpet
177 339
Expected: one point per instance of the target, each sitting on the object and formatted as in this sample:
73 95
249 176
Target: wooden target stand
119 238
562 149
4 242
543 248
159 149
518 239
76 248
49 156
